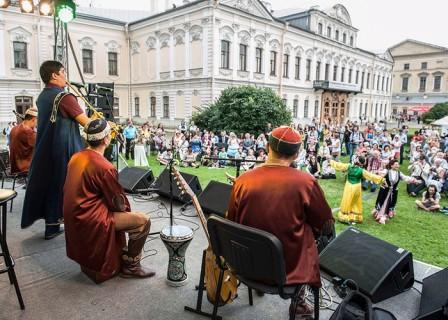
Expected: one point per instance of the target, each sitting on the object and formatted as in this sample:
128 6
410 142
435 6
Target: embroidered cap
31 111
97 130
285 140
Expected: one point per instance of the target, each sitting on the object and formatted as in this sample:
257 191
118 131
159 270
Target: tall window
406 66
225 54
342 74
422 84
316 108
318 70
378 82
351 41
327 71
404 84
437 83
297 69
295 108
20 55
337 35
344 37
243 57
87 61
329 32
350 72
387 84
335 73
362 78
273 63
424 65
116 107
113 63
305 108
166 107
153 107
258 60
285 65
137 106
357 77
308 69
382 84
368 81
320 28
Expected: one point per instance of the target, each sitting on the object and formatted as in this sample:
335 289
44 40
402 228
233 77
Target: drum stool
5 196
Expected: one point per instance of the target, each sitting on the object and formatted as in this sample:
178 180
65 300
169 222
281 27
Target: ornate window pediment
20 34
288 48
135 47
309 53
196 33
244 37
226 33
164 40
405 75
260 41
151 43
112 46
87 43
179 37
274 44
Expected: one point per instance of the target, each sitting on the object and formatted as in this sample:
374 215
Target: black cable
417 290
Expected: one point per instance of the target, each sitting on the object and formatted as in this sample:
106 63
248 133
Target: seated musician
22 140
97 214
287 203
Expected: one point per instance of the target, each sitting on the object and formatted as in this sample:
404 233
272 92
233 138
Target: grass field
423 234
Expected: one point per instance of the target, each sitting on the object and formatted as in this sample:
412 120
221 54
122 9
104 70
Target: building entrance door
335 107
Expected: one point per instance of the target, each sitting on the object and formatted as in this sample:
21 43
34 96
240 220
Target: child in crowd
222 155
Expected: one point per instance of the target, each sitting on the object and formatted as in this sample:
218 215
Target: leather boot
131 267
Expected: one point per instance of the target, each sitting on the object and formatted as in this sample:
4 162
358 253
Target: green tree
438 111
243 109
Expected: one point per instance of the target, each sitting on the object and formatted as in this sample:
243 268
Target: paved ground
54 288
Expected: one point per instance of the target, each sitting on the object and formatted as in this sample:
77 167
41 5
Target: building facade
419 78
169 64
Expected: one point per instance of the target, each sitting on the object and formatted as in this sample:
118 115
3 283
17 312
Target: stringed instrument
212 270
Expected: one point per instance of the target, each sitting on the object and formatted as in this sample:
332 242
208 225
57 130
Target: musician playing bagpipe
58 138
287 203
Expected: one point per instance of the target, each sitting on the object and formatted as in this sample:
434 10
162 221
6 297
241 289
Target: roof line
100 19
419 42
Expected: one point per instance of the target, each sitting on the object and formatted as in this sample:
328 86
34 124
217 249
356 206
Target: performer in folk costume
97 214
350 210
387 196
293 208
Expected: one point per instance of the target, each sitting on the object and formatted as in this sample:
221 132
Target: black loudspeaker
380 269
133 179
215 198
162 184
434 296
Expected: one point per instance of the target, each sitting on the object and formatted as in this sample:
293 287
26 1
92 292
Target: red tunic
91 195
21 147
289 204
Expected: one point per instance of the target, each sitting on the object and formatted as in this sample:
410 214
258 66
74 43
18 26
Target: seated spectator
189 158
165 157
327 171
233 146
262 156
207 154
430 200
222 155
261 142
313 166
249 165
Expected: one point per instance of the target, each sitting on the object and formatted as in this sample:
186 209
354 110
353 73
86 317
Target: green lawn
423 234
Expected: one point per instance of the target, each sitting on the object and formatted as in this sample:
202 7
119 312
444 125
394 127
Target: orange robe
21 147
289 204
91 195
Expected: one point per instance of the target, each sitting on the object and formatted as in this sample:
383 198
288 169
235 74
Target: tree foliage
438 111
243 109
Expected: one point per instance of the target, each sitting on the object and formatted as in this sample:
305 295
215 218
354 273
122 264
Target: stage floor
53 286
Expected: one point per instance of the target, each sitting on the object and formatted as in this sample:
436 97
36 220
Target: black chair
5 196
256 257
5 171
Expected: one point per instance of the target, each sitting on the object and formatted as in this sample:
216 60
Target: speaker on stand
162 186
215 198
434 297
135 180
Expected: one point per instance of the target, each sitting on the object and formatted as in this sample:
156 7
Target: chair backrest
4 161
251 253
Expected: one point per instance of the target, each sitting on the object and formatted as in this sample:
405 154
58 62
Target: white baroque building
167 64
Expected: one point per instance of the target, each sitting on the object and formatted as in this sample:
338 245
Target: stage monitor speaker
162 184
215 198
380 269
434 296
133 179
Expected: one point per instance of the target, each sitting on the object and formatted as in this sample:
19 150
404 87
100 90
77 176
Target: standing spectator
355 139
404 140
130 133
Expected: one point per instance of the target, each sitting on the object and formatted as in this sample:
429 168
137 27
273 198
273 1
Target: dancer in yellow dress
350 210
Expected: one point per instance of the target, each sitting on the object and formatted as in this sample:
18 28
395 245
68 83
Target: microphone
79 85
103 88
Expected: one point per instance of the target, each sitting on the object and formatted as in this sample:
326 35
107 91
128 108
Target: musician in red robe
22 140
287 203
97 214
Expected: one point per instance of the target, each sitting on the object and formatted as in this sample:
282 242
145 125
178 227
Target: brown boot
131 267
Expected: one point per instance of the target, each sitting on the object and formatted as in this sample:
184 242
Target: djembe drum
176 239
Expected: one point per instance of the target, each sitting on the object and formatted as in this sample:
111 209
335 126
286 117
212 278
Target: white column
187 49
266 61
234 54
171 53
251 57
2 49
205 28
157 55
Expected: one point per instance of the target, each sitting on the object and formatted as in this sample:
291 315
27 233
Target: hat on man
97 130
285 140
31 112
